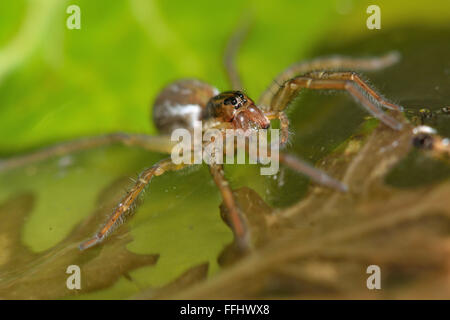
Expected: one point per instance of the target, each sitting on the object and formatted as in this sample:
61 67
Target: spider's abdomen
181 104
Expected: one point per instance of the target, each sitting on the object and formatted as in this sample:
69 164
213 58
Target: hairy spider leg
125 207
292 87
353 76
161 144
284 125
326 63
231 50
237 223
308 170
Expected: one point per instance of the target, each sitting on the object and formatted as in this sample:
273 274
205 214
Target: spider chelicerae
184 102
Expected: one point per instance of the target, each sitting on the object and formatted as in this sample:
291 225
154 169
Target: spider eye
233 101
240 95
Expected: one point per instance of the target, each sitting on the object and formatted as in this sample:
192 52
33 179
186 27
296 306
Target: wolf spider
183 102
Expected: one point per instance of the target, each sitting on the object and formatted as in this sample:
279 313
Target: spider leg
125 207
293 86
353 76
235 219
326 63
316 175
284 125
152 143
231 51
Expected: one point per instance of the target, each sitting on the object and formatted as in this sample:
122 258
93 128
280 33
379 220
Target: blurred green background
57 84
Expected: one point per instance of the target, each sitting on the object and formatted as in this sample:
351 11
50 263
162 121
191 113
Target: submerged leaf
23 272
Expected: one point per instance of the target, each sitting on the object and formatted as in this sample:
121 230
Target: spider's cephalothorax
237 108
184 102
